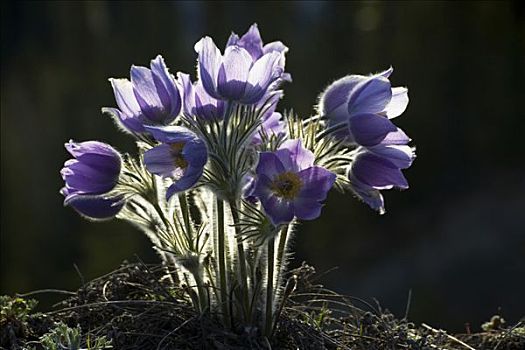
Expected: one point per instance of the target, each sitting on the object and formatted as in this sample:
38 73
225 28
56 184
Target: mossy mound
135 307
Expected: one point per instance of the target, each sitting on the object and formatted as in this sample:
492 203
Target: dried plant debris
136 307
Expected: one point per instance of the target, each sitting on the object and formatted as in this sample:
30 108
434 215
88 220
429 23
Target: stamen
287 185
178 158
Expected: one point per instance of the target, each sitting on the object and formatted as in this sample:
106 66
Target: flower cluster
220 172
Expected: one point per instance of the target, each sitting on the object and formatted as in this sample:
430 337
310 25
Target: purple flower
271 123
379 168
288 184
197 102
238 75
181 157
365 106
92 174
150 98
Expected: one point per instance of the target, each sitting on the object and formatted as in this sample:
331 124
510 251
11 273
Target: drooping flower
150 98
181 157
289 184
271 121
252 42
197 102
379 168
89 177
363 107
237 75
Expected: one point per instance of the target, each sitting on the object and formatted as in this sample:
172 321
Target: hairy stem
221 257
183 201
269 287
242 262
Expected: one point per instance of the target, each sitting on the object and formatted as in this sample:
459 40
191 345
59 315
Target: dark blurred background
456 238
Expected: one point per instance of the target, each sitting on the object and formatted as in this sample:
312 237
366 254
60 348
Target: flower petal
125 97
195 153
397 137
333 102
401 156
317 181
398 103
370 129
210 59
252 42
166 87
159 161
294 156
368 194
265 71
147 94
98 208
377 172
269 165
171 133
370 96
306 209
188 93
279 210
233 73
190 177
124 121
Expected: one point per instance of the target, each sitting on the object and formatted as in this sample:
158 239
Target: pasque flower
197 102
181 156
150 98
289 184
378 168
363 107
242 74
88 177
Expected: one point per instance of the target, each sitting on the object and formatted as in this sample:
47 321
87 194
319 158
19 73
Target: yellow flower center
286 185
179 160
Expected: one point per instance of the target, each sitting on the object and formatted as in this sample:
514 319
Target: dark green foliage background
456 238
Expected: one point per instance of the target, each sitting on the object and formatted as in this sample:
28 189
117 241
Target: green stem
281 250
242 262
269 287
203 300
186 218
279 264
222 260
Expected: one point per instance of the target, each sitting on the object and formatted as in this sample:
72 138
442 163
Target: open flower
150 98
363 106
288 184
238 75
379 168
197 102
89 177
181 157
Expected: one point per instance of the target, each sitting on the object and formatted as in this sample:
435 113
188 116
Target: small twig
509 331
80 275
116 302
424 325
409 301
42 291
173 331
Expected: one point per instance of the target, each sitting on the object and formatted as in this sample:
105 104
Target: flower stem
269 287
242 262
222 261
281 250
279 265
186 217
